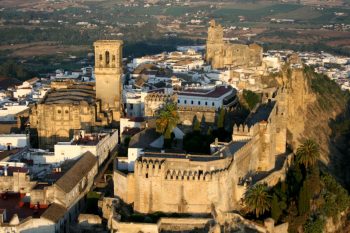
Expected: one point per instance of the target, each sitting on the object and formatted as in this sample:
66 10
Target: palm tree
167 119
257 199
308 153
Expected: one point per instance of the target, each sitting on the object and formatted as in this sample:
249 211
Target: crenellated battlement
149 167
244 132
160 97
196 175
196 108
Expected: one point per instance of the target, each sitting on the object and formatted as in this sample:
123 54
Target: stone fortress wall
184 183
187 114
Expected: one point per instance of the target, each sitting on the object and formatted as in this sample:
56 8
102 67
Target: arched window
100 57
199 103
107 58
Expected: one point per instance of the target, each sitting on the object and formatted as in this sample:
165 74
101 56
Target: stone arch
61 135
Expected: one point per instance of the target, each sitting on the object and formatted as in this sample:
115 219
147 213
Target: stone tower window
100 57
59 111
107 57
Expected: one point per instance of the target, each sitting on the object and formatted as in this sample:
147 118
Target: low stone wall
187 115
130 227
183 224
164 224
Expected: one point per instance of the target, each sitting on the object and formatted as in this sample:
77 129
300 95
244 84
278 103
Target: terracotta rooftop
13 205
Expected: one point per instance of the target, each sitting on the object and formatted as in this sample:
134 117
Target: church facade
71 106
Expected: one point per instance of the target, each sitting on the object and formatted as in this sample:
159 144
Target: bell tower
108 75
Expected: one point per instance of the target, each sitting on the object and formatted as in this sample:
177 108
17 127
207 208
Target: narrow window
107 58
199 103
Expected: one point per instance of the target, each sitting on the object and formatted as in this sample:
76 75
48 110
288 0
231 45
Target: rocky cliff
317 109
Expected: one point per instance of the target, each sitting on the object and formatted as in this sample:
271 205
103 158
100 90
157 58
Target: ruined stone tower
108 74
215 43
221 54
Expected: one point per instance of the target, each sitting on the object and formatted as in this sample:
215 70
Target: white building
9 110
9 141
217 97
99 145
134 102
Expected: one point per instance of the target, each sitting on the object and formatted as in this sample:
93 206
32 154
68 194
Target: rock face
300 97
313 102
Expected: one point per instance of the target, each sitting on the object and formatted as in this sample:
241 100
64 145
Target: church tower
108 75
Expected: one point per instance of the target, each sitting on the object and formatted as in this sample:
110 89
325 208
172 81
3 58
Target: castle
69 106
224 55
169 182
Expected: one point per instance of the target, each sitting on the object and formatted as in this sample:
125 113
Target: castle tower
215 44
108 75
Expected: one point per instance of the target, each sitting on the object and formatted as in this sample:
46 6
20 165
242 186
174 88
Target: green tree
314 225
221 118
304 199
257 199
308 153
276 209
167 119
251 98
335 196
196 126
